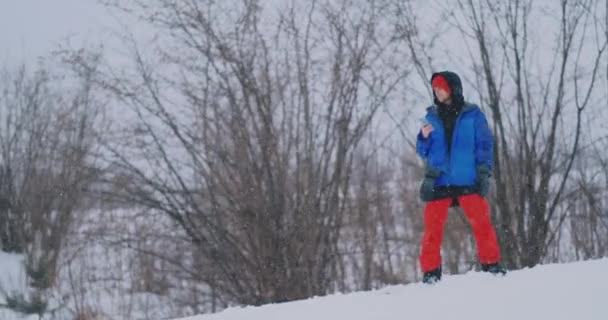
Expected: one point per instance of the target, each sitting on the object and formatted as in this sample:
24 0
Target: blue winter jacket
472 145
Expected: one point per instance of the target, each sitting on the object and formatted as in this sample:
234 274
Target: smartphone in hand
427 128
424 122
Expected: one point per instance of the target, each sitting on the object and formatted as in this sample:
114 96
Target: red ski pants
478 213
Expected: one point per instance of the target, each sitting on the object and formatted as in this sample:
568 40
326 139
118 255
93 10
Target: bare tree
46 139
535 143
248 146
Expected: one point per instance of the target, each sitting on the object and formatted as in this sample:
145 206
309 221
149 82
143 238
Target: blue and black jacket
459 145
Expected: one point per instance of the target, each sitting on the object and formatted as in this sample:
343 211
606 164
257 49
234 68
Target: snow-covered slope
565 291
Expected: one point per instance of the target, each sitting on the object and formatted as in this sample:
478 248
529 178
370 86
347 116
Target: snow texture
555 292
12 279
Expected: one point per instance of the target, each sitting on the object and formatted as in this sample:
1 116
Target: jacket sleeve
484 142
422 145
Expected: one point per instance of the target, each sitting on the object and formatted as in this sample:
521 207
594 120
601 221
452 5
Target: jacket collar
466 107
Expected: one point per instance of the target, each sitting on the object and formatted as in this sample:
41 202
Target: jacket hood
455 84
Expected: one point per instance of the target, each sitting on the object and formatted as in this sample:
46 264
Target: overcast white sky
32 28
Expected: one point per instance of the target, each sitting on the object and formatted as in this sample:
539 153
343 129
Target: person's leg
435 215
477 211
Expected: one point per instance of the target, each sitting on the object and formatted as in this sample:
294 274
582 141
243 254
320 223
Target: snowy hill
565 291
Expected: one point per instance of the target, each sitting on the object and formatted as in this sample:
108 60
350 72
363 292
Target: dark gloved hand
428 184
483 180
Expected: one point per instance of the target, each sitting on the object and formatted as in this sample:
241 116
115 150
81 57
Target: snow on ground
555 292
12 279
11 273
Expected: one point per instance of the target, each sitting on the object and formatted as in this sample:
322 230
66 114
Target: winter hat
439 81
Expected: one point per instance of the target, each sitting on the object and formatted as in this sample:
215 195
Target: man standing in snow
457 145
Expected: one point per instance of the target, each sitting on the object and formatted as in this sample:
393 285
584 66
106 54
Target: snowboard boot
432 276
494 268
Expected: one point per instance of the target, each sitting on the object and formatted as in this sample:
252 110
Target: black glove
427 189
483 180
